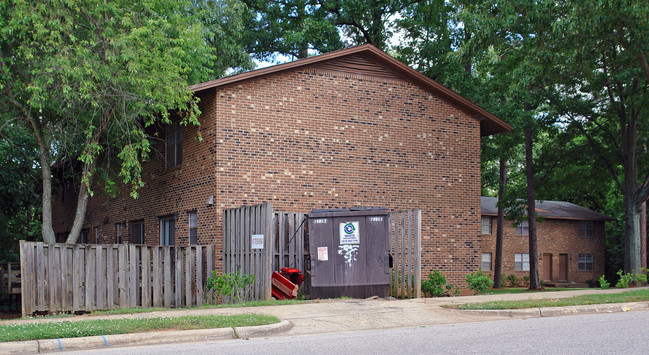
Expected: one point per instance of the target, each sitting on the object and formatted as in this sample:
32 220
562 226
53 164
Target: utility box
350 252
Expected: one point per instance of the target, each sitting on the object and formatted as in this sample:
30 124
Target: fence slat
189 275
63 250
199 275
168 289
90 279
100 277
178 291
123 275
110 277
146 276
157 277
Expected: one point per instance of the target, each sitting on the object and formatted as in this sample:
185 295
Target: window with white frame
486 225
522 262
167 230
174 144
486 262
585 262
586 229
523 228
96 235
193 227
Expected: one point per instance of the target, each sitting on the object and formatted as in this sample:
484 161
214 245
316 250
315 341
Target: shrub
625 279
640 279
452 291
479 282
603 283
434 286
513 280
526 280
235 286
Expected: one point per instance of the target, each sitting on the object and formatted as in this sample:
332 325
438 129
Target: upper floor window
486 225
174 144
586 229
523 228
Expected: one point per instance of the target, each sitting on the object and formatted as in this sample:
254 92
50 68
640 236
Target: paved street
615 333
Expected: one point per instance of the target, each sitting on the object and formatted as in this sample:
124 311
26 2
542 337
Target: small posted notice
323 254
257 241
349 233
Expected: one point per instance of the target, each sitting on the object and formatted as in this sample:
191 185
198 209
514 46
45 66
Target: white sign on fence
257 241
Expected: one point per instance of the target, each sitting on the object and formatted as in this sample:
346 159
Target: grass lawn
628 296
507 290
205 306
73 329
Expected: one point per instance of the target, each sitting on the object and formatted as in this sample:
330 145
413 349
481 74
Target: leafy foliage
234 286
603 283
479 282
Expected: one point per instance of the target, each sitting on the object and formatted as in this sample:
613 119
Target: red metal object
286 283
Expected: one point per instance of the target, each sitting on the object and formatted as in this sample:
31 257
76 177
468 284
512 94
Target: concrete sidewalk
325 316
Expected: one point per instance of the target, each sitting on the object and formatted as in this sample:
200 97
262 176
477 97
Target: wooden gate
405 231
248 245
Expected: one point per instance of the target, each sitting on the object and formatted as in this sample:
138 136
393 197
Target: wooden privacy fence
10 278
86 277
248 245
405 241
290 246
283 244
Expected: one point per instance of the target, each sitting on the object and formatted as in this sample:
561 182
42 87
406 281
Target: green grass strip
510 290
629 296
205 306
73 329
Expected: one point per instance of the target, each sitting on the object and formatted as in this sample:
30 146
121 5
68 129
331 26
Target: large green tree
588 61
87 77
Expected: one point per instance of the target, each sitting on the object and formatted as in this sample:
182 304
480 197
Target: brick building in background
570 242
354 127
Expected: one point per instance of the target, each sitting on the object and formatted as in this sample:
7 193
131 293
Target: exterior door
563 267
547 267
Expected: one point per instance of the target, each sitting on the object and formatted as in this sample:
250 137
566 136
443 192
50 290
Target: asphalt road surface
614 333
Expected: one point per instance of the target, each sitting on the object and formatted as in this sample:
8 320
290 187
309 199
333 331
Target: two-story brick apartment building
354 127
570 242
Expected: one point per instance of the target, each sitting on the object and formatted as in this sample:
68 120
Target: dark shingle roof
549 209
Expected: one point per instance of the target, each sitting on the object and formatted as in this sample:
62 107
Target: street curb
561 311
149 338
262 330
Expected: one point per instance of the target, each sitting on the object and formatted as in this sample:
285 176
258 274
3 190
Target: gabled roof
549 209
489 123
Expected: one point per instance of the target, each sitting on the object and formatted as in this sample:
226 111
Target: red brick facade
557 239
309 139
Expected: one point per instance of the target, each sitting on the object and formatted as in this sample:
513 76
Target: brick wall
556 237
306 139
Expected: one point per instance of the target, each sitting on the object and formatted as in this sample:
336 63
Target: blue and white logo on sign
349 233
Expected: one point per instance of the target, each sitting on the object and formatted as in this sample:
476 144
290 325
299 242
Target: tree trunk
632 208
46 174
80 214
643 235
500 222
531 212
